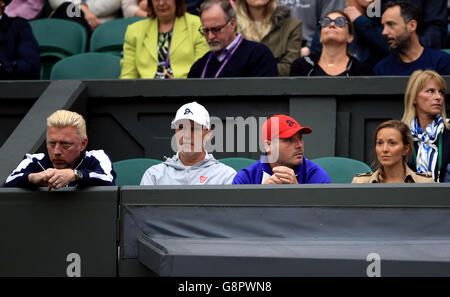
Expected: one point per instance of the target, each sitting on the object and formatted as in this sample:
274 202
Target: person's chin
215 47
190 149
60 165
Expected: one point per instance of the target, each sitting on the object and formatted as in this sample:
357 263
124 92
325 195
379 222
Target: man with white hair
66 163
192 164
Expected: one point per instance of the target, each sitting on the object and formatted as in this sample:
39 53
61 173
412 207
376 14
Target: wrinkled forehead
334 15
62 133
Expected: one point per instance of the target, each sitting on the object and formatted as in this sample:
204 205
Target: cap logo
187 111
290 123
203 179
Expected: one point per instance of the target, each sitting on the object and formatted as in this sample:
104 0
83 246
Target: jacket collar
377 176
151 36
280 16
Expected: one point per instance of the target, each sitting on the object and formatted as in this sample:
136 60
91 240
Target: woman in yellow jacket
165 45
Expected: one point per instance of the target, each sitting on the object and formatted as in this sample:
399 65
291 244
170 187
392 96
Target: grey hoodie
174 172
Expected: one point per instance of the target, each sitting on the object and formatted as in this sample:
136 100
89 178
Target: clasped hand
282 175
52 178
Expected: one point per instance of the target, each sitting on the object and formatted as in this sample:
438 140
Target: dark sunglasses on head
339 22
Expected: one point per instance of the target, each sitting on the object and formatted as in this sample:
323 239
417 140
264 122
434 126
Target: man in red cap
284 162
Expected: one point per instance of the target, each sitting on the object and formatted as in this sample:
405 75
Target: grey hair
227 8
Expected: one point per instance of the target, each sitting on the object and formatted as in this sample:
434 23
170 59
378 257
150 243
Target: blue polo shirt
307 173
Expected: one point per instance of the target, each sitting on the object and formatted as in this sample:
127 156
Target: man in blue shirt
284 162
401 28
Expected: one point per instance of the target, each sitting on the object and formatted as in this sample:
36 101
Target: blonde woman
263 21
425 115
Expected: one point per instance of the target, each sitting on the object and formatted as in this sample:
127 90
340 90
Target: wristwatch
78 175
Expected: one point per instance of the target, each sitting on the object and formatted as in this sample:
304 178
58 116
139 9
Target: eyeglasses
339 21
213 30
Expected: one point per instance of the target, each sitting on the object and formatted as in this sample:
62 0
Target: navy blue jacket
251 59
307 173
19 50
95 166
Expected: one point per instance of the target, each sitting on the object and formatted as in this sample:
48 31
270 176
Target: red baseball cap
287 127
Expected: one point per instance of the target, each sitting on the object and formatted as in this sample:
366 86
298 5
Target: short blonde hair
416 83
65 118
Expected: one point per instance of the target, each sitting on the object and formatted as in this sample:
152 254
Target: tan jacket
376 177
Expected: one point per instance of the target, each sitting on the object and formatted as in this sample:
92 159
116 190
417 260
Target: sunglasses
339 22
214 30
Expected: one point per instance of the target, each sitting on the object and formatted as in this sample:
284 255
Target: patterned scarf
427 154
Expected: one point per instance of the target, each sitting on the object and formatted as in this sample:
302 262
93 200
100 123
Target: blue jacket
307 173
95 166
251 59
19 50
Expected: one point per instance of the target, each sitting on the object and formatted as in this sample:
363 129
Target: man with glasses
192 164
230 55
66 163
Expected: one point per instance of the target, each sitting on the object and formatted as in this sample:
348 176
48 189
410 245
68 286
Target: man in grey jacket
192 165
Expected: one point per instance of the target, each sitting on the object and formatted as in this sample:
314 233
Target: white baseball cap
193 111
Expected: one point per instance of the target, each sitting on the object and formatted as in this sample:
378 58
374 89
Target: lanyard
439 156
228 57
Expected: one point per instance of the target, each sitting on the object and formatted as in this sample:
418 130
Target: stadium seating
342 170
237 163
57 39
109 36
87 66
129 172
